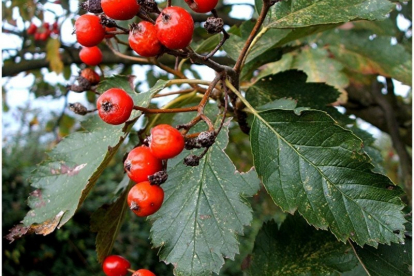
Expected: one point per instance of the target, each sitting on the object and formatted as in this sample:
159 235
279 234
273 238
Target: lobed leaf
298 249
295 14
309 163
203 210
75 164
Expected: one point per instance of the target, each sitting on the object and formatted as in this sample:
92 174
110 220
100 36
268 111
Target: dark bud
83 85
214 25
192 160
192 144
206 138
106 21
150 5
78 108
158 178
93 6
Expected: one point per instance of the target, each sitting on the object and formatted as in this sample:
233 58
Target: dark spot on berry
127 165
107 106
134 206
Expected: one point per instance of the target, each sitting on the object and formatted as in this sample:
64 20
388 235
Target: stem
246 103
171 110
265 8
258 36
137 59
171 103
184 91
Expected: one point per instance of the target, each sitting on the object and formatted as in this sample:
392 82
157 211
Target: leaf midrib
257 115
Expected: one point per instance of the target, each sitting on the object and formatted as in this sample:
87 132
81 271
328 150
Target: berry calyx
143 39
120 9
202 6
89 31
90 75
115 106
174 27
166 141
141 163
115 265
91 55
145 199
143 272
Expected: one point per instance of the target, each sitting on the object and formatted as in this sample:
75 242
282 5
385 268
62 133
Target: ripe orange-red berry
174 27
115 106
202 6
143 272
143 39
165 141
120 9
89 31
141 163
115 265
145 199
91 55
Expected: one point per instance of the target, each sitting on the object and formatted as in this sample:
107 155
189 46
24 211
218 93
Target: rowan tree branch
71 55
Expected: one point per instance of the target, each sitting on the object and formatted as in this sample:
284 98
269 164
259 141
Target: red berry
32 29
202 6
115 265
90 55
143 272
90 75
120 9
165 141
55 25
89 31
114 106
37 36
145 199
174 27
109 29
143 39
141 163
46 25
44 36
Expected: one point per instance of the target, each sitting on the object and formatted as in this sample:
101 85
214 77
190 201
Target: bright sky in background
18 87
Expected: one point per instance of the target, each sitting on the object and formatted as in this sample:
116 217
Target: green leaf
53 55
291 84
208 44
74 165
394 259
295 14
64 180
298 249
370 56
203 210
107 221
320 68
317 65
310 164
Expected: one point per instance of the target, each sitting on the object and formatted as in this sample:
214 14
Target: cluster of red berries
43 32
116 265
173 27
144 165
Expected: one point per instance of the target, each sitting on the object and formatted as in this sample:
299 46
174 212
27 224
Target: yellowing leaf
53 56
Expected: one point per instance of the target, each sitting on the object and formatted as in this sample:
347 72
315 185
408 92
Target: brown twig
265 8
393 130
